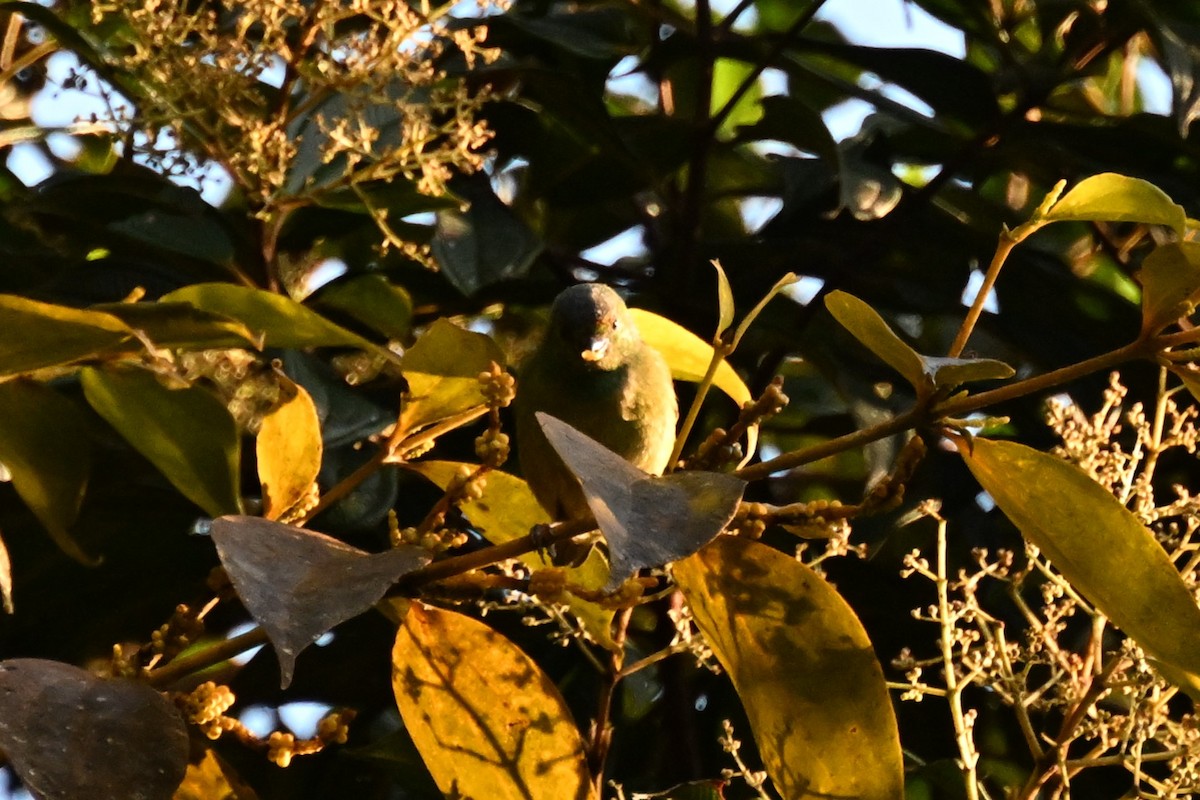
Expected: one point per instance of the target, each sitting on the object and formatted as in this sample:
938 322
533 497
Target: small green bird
593 371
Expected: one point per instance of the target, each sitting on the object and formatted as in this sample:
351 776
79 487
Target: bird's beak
596 350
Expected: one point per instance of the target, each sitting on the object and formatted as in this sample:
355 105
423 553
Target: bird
593 371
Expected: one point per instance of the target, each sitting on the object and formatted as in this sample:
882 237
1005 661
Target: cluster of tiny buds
491 448
498 386
434 541
467 484
183 628
334 728
205 707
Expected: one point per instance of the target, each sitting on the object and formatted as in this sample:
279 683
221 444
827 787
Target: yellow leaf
803 668
289 451
486 720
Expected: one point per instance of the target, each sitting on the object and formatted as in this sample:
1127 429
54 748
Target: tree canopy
929 531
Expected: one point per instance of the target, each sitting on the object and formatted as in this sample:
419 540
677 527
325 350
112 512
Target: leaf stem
198 660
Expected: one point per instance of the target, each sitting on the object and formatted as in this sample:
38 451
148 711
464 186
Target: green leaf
803 668
1098 545
727 75
485 718
35 335
923 372
442 369
877 336
1170 278
289 451
45 445
181 325
186 433
280 320
484 245
647 521
725 307
1117 198
298 584
373 300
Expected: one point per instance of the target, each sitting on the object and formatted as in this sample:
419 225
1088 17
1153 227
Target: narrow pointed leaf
298 584
35 335
70 734
289 451
46 447
647 521
486 720
1170 278
1118 198
725 307
950 372
803 668
186 433
865 324
281 321
1098 544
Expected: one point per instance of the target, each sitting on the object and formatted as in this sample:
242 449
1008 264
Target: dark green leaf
485 244
45 445
372 300
186 433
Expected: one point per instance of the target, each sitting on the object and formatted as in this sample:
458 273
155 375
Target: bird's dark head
591 322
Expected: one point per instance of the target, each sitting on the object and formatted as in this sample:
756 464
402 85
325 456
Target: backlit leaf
1170 278
70 734
298 584
1118 198
186 433
647 520
35 335
485 718
442 369
289 451
45 445
923 372
877 336
1098 545
725 307
803 668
